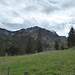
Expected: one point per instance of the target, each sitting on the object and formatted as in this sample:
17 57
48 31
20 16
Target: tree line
29 49
59 44
71 38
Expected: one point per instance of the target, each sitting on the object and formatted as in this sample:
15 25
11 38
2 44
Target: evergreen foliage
2 48
29 47
56 45
13 50
61 44
39 42
71 38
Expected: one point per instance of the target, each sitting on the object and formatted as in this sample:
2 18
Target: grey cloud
16 26
3 2
13 26
69 4
52 26
53 2
31 8
72 23
44 6
43 24
49 9
16 14
57 26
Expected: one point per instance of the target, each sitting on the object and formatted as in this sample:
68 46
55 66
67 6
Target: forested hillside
19 39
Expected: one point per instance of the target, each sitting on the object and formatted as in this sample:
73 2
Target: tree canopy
39 42
71 38
29 47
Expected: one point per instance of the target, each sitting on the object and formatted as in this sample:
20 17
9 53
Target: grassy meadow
45 63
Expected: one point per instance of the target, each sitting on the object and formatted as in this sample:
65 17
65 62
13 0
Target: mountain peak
46 33
50 34
4 32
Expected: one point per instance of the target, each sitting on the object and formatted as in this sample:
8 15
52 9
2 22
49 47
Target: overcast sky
57 15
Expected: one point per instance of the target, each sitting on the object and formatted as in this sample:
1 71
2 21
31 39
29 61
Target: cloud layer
58 15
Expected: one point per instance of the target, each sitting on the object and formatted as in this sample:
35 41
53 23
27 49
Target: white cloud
18 20
58 15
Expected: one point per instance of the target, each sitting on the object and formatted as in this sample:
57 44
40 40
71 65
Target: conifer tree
29 47
71 38
56 45
2 49
39 42
12 50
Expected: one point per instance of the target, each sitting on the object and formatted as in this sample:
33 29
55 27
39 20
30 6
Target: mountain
49 34
45 33
19 38
64 37
4 32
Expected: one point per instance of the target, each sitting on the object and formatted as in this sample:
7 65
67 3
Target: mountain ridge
46 33
19 38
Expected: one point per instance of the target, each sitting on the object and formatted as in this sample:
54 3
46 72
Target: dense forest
33 40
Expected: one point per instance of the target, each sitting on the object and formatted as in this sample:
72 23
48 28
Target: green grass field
44 63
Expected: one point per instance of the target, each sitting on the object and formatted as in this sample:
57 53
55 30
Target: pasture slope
45 63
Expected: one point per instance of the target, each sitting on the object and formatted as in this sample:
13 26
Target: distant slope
64 37
20 37
45 33
4 32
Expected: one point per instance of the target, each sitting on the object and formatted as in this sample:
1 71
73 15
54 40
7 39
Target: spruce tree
71 38
29 47
2 48
12 50
56 45
39 42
